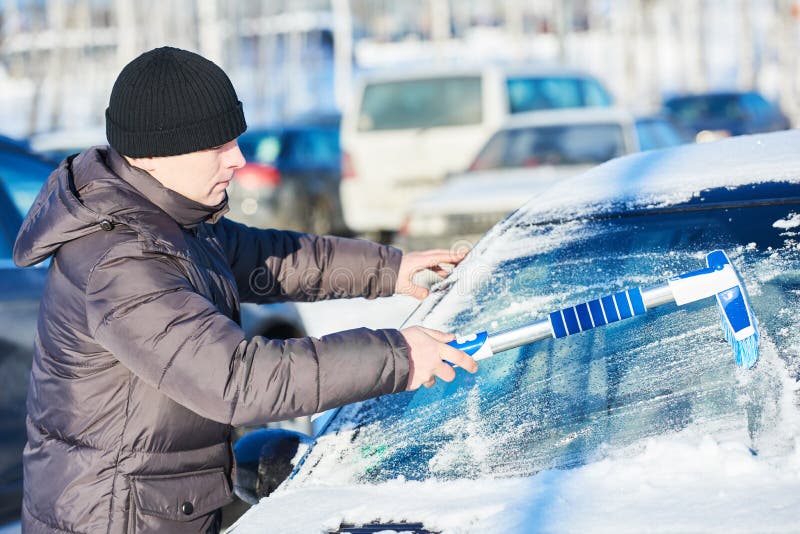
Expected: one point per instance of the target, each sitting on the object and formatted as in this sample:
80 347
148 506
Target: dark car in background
291 179
711 116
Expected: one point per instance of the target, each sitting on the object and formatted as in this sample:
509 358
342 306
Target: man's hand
428 349
414 262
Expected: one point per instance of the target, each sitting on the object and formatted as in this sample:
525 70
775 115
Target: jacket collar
185 211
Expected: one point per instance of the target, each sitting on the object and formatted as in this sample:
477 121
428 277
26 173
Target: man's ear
147 164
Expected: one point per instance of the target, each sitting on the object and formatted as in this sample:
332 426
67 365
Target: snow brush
719 280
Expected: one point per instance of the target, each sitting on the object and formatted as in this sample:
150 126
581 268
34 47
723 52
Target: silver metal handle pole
657 295
516 337
542 329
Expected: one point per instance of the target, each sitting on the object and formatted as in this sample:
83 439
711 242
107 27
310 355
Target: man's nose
234 157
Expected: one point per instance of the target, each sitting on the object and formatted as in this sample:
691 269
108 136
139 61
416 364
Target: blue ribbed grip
598 312
471 345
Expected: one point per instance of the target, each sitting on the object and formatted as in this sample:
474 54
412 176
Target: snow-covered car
645 424
531 151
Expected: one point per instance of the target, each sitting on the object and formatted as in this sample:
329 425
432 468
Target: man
140 367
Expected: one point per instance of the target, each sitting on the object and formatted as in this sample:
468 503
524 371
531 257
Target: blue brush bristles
745 351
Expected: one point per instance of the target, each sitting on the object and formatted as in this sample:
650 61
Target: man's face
201 176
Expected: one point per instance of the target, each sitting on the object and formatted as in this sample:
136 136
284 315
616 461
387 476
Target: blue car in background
21 176
711 116
642 425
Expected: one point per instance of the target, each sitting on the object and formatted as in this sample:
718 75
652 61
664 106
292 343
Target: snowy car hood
670 176
693 474
684 481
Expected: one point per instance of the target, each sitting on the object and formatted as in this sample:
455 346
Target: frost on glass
564 403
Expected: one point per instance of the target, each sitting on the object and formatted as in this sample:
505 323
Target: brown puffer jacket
140 366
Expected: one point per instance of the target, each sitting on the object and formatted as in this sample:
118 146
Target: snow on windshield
562 403
792 221
658 433
654 421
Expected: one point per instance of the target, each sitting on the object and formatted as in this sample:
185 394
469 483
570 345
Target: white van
404 132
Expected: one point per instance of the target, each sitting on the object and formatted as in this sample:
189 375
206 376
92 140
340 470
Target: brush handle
472 344
561 323
719 279
475 345
597 312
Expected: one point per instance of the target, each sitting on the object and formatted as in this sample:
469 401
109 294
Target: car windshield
425 103
658 133
568 144
531 94
692 109
562 403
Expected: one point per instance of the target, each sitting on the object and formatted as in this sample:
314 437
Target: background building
58 58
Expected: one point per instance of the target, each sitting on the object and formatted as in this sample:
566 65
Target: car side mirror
264 459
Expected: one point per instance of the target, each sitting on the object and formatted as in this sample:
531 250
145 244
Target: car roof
323 121
711 94
6 142
416 72
668 177
60 140
10 145
284 128
549 117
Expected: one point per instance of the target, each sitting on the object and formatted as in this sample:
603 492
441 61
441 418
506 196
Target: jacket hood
97 190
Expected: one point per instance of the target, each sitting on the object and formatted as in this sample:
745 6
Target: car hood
492 191
670 176
634 486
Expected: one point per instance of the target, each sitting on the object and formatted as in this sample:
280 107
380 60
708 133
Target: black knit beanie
170 101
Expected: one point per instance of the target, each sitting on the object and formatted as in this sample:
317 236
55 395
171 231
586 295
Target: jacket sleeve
274 265
145 312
